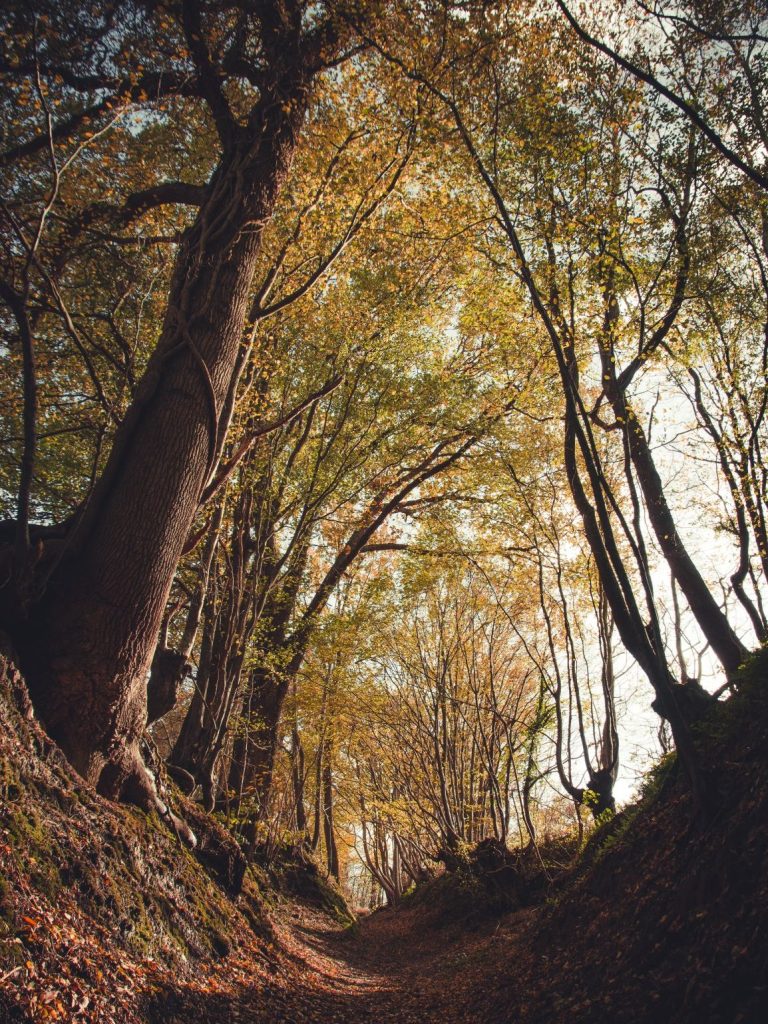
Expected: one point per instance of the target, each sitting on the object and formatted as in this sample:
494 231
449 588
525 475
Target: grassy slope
670 920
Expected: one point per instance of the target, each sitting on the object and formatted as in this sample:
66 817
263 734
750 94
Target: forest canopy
383 404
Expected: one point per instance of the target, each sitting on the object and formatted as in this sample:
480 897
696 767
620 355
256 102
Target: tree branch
690 112
262 430
207 76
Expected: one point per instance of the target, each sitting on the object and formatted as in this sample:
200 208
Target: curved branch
149 87
207 77
690 112
262 430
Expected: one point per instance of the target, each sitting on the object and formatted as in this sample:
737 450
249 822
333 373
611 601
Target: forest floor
105 918
655 957
400 966
663 920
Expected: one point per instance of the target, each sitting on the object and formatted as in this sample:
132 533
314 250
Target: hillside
107 917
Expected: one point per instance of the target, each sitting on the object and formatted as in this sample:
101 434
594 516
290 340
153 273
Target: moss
116 871
47 880
11 955
333 901
6 906
455 899
10 787
731 718
143 936
34 850
657 779
291 870
614 831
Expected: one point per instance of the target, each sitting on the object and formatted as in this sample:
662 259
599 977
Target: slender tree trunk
643 643
171 666
318 797
255 748
297 777
714 625
331 851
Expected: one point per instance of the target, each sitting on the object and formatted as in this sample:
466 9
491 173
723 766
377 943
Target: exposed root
130 781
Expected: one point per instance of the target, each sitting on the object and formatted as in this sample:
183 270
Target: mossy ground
292 871
96 899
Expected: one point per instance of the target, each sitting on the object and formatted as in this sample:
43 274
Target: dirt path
395 967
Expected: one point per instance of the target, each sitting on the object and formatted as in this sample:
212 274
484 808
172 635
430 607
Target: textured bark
228 625
171 667
169 670
88 647
187 750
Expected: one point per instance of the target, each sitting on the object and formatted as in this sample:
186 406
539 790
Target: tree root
129 780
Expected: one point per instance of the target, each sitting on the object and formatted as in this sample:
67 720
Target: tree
86 643
691 43
544 256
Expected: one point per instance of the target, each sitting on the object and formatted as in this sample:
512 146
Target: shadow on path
392 968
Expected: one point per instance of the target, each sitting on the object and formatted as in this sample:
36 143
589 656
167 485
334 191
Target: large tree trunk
88 646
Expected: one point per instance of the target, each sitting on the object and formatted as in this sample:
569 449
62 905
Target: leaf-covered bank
105 917
98 903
